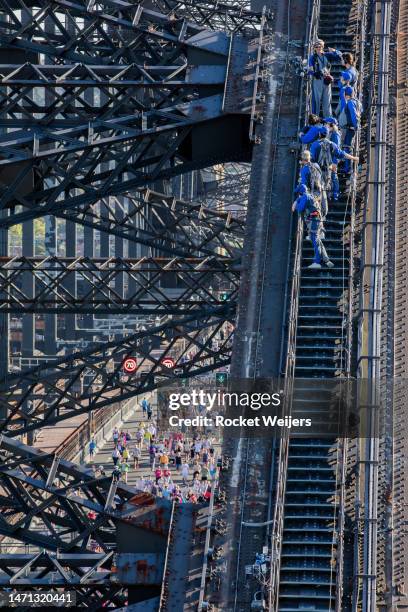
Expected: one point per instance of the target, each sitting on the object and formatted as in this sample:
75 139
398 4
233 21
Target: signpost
129 365
168 362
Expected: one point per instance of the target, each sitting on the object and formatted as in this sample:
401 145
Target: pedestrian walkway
49 439
202 460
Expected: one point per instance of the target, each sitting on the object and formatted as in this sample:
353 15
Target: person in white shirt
136 456
115 455
185 470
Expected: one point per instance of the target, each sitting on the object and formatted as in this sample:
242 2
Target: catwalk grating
308 566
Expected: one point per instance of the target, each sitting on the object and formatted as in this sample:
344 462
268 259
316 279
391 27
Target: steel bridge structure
127 134
148 154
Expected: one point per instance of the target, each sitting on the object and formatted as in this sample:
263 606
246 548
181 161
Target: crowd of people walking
170 465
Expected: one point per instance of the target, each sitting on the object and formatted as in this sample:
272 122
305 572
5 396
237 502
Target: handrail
76 437
360 56
162 602
371 300
277 529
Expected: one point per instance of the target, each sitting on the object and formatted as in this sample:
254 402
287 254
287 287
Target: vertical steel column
50 331
4 318
71 251
71 243
370 324
104 236
50 320
133 249
89 233
28 320
119 280
89 251
28 250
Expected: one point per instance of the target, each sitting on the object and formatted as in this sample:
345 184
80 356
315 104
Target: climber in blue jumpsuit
348 62
334 136
344 81
334 153
311 177
319 71
310 132
349 120
309 208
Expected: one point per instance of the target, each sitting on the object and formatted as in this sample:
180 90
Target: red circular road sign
168 362
129 365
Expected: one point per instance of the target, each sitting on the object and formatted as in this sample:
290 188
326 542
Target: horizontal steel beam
156 220
152 286
46 569
162 222
183 20
66 517
96 30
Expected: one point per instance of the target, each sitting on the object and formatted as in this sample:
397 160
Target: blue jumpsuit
336 155
351 82
310 135
349 132
305 179
354 76
305 205
336 138
321 93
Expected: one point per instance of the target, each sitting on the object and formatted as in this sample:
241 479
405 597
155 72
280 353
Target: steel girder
77 569
158 221
72 518
94 536
174 77
54 504
98 31
194 285
48 569
100 133
52 391
120 91
227 16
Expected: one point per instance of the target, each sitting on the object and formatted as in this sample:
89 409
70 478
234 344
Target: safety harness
345 115
321 66
315 179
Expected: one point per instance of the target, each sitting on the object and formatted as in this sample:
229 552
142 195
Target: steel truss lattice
168 94
40 492
52 388
103 106
59 509
136 58
158 221
145 282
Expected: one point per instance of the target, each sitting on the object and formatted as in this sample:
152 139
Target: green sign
221 379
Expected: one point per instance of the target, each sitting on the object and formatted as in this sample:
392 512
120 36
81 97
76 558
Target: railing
103 420
371 293
289 368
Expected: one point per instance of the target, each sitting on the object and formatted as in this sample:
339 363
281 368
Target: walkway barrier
76 447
